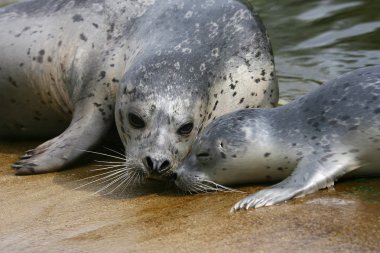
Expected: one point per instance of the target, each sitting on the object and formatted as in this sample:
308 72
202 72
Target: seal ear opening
203 155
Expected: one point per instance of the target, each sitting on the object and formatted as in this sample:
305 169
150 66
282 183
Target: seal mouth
166 175
172 177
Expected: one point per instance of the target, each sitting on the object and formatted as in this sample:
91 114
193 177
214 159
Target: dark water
316 40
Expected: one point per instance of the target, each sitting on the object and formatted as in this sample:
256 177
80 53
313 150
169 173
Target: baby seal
310 143
160 69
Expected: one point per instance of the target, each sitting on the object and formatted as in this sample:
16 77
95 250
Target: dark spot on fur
77 18
83 37
215 105
95 25
102 74
376 111
257 80
241 101
110 31
266 154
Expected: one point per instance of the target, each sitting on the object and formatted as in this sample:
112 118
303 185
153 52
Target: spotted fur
74 66
309 143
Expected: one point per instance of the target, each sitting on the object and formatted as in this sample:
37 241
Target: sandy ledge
45 213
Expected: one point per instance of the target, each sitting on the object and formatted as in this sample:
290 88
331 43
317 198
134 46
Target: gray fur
309 143
68 65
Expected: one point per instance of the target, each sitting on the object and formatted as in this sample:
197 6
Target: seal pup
310 143
160 69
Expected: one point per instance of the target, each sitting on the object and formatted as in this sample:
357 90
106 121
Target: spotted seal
309 143
162 70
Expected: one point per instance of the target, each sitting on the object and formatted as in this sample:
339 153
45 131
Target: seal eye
186 129
136 121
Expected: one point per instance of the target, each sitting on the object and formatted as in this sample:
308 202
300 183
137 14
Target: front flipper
86 129
309 176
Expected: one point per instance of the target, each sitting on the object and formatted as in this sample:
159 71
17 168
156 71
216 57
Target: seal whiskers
198 184
119 173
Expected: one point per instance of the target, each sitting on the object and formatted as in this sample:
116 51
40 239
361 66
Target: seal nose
156 165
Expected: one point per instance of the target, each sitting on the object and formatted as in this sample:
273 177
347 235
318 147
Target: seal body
309 143
163 69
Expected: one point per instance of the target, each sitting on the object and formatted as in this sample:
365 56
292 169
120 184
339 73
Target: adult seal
162 69
309 143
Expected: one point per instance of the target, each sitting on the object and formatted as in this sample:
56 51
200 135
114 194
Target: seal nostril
164 165
149 162
156 165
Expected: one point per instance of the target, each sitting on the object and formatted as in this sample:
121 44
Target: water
317 40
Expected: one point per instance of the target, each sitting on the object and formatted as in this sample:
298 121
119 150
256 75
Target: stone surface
45 213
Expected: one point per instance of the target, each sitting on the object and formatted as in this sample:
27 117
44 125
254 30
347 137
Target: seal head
176 85
158 122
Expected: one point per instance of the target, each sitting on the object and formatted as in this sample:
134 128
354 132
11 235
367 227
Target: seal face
162 69
309 143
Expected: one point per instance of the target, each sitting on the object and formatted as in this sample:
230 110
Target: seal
309 143
162 70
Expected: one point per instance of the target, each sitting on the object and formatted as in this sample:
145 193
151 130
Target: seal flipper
85 130
310 175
